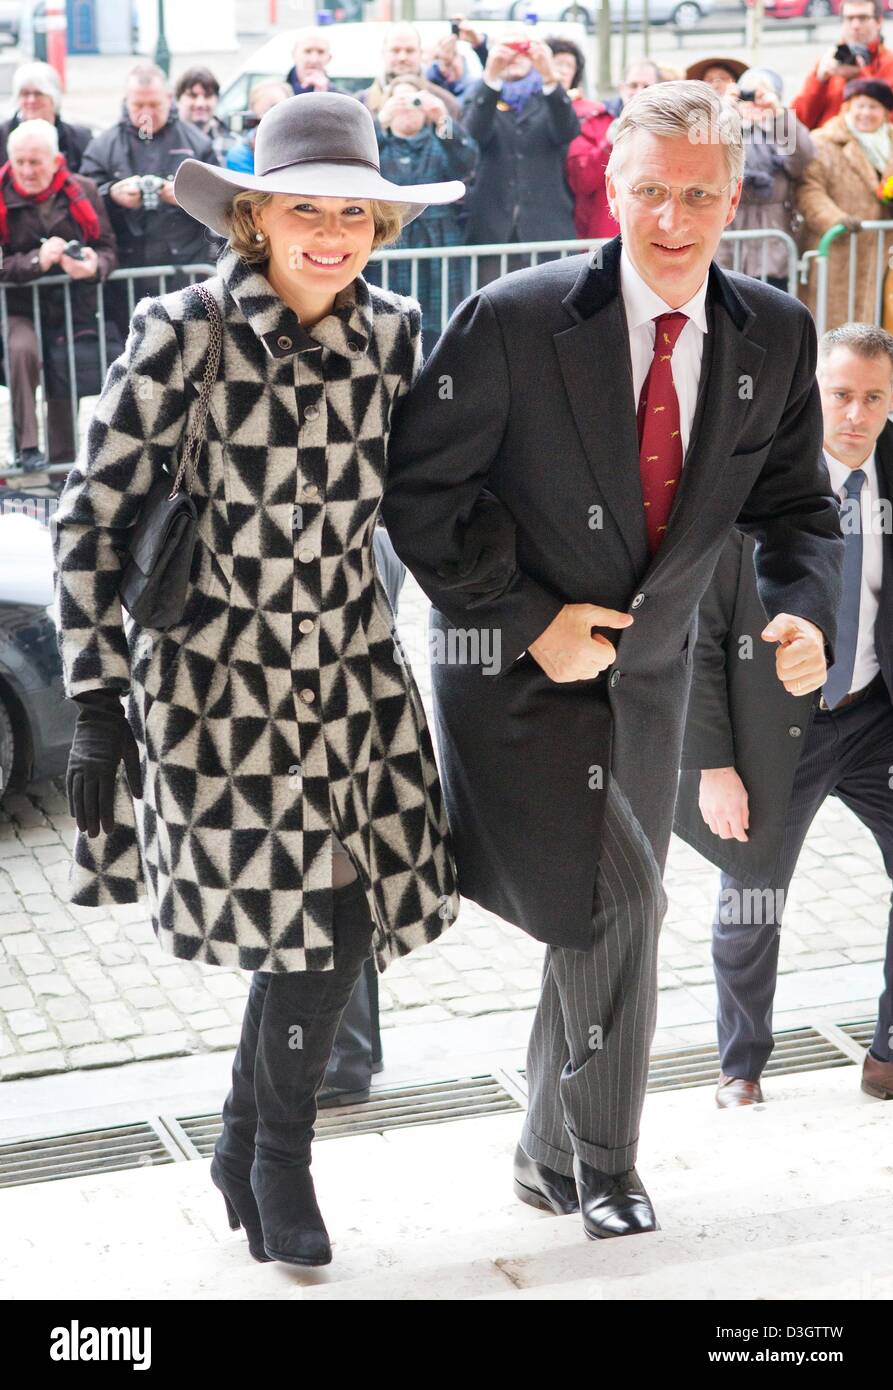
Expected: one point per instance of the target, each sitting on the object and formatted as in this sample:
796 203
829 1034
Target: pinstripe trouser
587 1059
848 754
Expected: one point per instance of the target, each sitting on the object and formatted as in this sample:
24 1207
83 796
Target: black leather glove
102 737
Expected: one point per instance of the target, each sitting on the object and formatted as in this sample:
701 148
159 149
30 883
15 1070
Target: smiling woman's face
317 245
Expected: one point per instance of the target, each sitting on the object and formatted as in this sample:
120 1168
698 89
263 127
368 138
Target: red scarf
81 208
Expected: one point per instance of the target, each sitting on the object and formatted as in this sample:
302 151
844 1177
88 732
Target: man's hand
543 60
84 269
828 66
723 803
800 658
50 252
166 193
498 59
568 651
126 193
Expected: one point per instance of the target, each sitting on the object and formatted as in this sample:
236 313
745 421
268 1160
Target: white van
356 56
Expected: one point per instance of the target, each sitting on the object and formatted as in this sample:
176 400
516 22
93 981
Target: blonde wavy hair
387 218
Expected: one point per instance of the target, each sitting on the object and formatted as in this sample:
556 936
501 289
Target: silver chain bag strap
156 569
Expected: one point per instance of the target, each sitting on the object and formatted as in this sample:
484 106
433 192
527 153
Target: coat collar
599 281
347 330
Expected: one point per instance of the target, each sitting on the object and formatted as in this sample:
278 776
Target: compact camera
851 53
150 186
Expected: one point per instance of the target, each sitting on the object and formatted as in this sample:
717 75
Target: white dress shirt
867 666
642 306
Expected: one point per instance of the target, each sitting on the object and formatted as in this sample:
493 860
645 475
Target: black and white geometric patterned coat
281 709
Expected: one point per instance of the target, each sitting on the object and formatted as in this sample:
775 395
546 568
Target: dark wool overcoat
280 710
529 395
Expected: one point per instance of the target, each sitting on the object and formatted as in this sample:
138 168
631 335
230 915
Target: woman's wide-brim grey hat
320 144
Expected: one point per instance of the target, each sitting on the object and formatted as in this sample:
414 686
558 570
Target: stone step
791 1199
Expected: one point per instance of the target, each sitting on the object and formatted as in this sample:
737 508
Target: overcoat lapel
599 385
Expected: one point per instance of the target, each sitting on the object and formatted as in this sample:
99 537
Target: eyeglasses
655 196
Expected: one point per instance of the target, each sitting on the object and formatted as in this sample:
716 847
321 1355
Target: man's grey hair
146 74
864 339
40 76
681 108
33 130
642 63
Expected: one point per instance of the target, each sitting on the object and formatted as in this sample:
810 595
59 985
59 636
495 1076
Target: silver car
684 13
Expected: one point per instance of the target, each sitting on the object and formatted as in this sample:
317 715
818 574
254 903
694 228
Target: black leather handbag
155 575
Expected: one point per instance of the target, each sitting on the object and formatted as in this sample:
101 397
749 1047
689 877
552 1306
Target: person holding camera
133 164
262 97
860 54
778 148
523 120
854 156
419 143
51 222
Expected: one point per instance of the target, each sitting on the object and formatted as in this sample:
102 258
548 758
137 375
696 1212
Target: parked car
12 13
805 9
684 13
36 719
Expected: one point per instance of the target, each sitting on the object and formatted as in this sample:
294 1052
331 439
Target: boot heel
241 1209
231 1214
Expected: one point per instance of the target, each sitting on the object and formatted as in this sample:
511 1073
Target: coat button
306 625
615 679
794 730
311 412
283 342
305 556
638 601
310 490
308 696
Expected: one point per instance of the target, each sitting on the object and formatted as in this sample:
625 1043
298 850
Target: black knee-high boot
234 1150
298 1023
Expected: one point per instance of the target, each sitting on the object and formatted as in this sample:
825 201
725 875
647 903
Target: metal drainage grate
426 1103
75 1155
862 1031
796 1049
168 1140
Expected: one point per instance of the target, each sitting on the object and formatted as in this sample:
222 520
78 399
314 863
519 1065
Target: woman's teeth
326 260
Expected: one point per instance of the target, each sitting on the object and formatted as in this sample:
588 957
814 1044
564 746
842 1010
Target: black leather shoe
542 1187
293 1228
334 1095
613 1204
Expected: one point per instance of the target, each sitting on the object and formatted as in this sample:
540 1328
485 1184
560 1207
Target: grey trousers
587 1059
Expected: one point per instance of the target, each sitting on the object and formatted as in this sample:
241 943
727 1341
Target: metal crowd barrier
468 258
819 258
159 273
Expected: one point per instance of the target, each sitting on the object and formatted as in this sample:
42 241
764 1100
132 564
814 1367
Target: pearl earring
258 236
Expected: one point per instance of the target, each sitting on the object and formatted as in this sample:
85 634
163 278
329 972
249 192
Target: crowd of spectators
529 136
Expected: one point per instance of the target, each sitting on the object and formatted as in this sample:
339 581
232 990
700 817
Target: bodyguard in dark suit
770 760
559 745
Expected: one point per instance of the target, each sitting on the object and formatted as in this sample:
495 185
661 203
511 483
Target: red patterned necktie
660 440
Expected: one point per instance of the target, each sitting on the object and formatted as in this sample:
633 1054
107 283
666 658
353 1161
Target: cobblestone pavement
87 987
